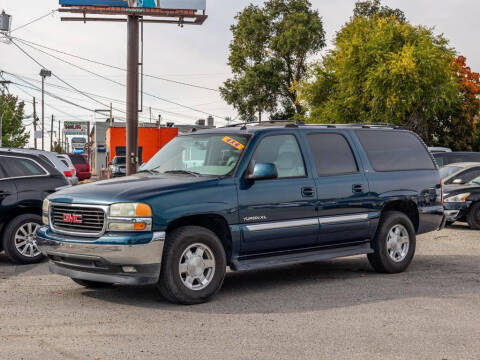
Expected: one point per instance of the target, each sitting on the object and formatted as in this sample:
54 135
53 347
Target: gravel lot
330 310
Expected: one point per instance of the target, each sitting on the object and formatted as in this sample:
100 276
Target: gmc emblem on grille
72 219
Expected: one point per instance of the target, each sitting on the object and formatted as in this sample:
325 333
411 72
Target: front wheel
19 240
473 217
193 266
394 244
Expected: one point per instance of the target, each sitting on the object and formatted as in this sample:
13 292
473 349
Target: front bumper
456 211
104 259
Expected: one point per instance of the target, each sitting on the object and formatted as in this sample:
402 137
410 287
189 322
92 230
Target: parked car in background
447 158
258 196
460 173
52 158
117 167
462 203
72 174
435 150
25 181
81 165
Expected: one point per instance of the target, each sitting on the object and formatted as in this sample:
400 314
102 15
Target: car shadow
317 286
10 269
460 226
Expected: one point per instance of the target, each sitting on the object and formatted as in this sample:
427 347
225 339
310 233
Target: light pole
44 73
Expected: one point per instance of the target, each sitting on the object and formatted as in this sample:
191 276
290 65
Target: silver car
460 173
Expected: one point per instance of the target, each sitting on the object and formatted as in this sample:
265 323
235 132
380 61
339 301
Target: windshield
209 154
448 170
119 160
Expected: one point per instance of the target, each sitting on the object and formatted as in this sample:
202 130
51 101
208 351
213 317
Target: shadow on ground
318 286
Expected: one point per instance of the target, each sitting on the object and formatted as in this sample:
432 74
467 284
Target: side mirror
458 182
263 171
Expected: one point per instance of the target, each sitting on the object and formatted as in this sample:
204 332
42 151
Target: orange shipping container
150 140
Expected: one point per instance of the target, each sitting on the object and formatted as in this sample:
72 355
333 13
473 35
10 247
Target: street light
44 74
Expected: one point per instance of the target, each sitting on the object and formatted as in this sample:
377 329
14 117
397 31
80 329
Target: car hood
451 189
137 188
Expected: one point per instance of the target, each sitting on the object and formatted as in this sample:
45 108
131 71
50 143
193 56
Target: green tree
11 114
269 54
384 70
374 7
58 148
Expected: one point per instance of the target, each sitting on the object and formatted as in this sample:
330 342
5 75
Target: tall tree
384 70
11 114
460 129
269 54
375 8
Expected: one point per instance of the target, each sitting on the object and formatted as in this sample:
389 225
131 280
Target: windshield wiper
153 172
193 173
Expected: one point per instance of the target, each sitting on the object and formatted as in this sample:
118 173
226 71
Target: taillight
69 173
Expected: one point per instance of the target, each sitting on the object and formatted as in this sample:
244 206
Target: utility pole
35 122
59 135
88 142
51 134
159 121
111 114
132 94
150 114
44 73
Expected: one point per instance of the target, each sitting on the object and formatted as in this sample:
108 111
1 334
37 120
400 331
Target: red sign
72 219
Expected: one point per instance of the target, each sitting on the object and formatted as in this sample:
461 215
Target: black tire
92 284
449 223
9 239
380 259
473 217
170 284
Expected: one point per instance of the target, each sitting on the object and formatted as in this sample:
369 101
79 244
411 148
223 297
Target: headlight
457 198
130 217
45 209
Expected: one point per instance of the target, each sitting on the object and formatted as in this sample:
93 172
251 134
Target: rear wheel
193 266
473 217
394 243
92 284
19 240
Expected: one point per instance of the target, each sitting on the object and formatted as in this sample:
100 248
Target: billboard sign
76 128
150 4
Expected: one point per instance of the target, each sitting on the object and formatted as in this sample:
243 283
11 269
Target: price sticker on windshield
233 142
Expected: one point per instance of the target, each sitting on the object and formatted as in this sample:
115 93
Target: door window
466 176
332 154
282 151
19 167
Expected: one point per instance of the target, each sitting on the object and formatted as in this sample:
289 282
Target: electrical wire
31 43
34 20
110 80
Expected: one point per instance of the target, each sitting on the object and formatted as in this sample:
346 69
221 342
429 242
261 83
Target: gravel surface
338 309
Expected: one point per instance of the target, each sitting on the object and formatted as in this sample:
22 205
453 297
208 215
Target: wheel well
19 211
214 223
407 207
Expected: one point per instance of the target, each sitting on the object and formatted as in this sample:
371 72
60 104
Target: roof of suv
31 156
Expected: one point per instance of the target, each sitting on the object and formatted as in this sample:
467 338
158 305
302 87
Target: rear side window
395 150
78 160
332 154
19 167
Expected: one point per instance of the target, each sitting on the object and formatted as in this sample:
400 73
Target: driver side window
282 151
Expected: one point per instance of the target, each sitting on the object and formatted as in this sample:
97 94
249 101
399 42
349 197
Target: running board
303 257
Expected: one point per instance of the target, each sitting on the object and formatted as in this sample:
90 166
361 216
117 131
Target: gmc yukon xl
247 197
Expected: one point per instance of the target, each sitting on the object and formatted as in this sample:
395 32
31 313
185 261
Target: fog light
129 269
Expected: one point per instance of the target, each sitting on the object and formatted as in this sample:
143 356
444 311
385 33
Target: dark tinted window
119 160
395 150
78 159
332 154
15 167
453 158
43 157
466 176
284 152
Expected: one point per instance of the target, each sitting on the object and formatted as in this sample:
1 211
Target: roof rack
296 123
289 123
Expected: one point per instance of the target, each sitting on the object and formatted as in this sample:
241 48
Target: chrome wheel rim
197 267
25 241
398 243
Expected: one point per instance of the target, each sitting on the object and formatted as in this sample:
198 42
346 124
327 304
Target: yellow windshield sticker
233 142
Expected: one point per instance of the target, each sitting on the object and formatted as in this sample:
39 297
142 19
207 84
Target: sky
192 54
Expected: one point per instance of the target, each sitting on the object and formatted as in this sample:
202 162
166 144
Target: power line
31 43
34 20
111 80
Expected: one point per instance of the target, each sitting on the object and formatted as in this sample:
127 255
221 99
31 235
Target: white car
73 172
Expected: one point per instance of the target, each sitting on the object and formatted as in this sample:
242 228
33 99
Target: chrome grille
93 219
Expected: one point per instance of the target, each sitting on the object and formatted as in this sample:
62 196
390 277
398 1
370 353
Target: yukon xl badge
255 218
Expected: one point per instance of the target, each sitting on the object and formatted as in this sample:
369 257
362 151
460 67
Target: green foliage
384 70
268 56
58 148
374 8
11 115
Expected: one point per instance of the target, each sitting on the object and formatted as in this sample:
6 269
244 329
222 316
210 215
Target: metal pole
88 142
51 135
34 122
59 136
43 112
132 95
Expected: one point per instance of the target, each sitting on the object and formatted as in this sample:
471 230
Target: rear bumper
84 175
97 261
